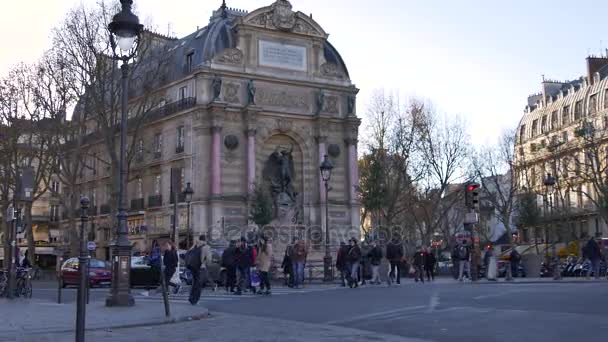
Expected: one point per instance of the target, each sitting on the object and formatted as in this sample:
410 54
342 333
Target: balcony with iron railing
105 209
137 204
155 201
181 197
172 108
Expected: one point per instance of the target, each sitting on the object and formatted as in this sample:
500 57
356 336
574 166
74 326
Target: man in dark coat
229 263
170 260
243 260
593 253
429 266
341 263
394 254
419 262
354 259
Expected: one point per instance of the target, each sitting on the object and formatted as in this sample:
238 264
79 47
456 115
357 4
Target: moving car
142 274
99 273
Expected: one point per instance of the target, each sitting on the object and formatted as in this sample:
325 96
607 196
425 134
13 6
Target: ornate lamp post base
120 295
328 274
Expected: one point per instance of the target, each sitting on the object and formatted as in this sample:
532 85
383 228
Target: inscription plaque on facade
283 56
280 98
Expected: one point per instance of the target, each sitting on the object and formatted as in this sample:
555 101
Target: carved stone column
351 134
215 161
217 112
250 159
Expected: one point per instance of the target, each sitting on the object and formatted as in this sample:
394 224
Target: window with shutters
578 110
593 104
566 115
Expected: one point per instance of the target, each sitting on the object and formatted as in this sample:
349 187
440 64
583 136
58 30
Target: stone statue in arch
279 174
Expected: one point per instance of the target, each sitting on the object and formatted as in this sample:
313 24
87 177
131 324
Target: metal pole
83 268
175 233
556 271
12 269
120 293
327 262
188 228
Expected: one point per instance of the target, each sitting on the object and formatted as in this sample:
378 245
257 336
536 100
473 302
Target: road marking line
376 315
433 302
494 295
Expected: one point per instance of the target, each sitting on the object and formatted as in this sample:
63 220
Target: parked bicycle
3 283
24 283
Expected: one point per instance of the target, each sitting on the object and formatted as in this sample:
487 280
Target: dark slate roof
332 56
217 36
205 43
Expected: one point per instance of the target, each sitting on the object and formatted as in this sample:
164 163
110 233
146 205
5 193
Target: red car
99 273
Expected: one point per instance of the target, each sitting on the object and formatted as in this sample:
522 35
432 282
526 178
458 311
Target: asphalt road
431 312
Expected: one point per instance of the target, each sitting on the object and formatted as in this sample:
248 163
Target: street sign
471 218
91 246
26 184
10 214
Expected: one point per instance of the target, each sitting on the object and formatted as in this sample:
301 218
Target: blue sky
477 59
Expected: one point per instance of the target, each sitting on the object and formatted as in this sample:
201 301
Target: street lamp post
326 167
125 30
83 269
549 183
188 192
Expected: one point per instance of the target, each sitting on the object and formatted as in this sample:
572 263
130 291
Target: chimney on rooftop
594 64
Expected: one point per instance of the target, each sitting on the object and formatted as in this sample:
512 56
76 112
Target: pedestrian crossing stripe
224 296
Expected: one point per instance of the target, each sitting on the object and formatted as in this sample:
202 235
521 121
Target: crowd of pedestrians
248 263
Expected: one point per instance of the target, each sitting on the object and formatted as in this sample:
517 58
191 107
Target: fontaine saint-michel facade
261 98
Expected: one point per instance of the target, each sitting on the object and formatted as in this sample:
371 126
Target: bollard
59 288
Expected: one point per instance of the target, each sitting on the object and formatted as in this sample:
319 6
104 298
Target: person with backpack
375 258
354 258
229 263
394 254
197 259
464 260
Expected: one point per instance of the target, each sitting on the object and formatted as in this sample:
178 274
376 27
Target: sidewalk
32 317
235 328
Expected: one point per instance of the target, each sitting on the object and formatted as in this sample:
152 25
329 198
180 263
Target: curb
164 321
538 282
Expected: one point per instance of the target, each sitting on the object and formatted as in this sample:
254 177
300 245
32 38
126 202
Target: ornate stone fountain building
253 98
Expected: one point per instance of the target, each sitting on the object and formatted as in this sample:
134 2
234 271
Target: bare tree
83 41
387 171
444 144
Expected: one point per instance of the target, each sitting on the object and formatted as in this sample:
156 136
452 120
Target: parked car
99 273
142 274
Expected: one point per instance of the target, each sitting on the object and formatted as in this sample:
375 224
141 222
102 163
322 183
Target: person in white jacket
490 259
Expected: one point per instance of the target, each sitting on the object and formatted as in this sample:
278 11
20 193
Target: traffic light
471 195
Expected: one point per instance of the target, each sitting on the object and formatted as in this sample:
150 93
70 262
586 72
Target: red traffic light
472 187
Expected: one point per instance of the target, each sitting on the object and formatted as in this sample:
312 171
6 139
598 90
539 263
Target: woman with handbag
171 260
